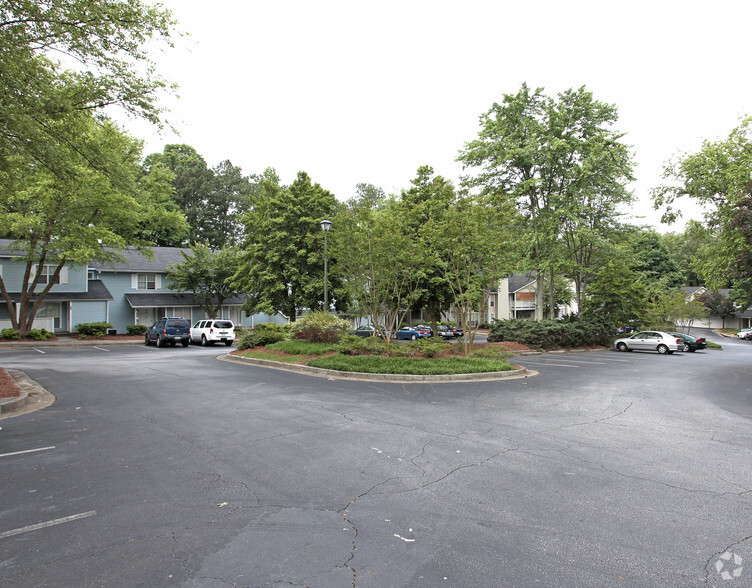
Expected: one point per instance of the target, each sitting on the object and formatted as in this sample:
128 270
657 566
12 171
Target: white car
659 341
211 331
745 333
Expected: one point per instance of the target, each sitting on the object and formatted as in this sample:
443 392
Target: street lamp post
325 225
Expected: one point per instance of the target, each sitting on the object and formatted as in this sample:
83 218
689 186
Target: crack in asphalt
717 554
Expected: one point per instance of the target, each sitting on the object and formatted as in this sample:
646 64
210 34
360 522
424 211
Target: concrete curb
65 342
398 378
12 404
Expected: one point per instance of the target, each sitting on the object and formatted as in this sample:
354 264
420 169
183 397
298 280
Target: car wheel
662 349
687 347
173 343
160 343
621 347
146 339
204 342
691 350
412 337
228 343
185 343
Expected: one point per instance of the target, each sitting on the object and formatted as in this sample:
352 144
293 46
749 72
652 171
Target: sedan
745 333
691 343
412 333
447 331
367 331
663 343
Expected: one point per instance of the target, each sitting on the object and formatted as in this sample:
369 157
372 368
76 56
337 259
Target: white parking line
40 351
27 451
557 364
102 349
38 526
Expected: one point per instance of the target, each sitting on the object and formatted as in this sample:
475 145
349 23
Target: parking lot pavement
169 468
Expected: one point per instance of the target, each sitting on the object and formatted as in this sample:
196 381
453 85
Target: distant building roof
519 281
96 290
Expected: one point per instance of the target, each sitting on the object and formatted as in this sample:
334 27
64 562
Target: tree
282 255
473 251
380 263
719 177
105 39
653 262
425 204
207 274
718 305
92 213
565 168
615 294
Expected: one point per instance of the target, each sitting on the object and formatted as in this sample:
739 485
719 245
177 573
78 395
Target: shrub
430 347
38 334
296 347
93 329
352 345
260 337
136 329
491 353
552 334
320 326
9 334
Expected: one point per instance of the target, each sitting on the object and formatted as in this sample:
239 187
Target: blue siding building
134 292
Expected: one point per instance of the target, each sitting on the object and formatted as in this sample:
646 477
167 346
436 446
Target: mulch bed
8 386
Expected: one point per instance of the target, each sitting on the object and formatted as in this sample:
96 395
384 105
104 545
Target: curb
13 404
336 375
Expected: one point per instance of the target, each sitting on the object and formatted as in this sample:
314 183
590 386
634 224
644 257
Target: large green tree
282 255
207 274
104 40
380 263
719 177
96 210
563 165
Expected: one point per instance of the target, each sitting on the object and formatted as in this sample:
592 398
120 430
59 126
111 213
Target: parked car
691 343
650 341
447 331
412 333
211 331
368 331
169 330
745 333
426 328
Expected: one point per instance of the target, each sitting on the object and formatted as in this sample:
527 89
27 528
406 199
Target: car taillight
164 331
678 340
211 330
701 340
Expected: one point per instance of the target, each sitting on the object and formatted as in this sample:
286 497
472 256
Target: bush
320 326
352 345
408 365
552 334
491 353
9 334
136 329
431 347
296 347
93 329
38 334
260 337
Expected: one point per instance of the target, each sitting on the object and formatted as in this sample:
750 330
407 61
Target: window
46 274
147 282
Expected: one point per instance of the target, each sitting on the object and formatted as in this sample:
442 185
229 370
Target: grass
255 354
373 364
712 345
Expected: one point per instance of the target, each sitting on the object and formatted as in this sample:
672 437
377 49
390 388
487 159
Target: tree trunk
540 290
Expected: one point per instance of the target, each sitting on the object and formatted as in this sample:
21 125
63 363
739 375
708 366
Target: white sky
355 92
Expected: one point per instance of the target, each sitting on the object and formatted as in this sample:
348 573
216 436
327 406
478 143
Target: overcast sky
356 92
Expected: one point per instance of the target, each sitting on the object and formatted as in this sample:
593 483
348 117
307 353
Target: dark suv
169 330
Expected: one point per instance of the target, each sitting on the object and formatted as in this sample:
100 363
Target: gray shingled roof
519 281
96 291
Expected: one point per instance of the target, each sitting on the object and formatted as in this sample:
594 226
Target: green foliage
136 329
206 274
492 353
39 334
430 347
261 335
11 334
615 294
301 347
410 365
282 264
354 345
93 329
320 326
553 334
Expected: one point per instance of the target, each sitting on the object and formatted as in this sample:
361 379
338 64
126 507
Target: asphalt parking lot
167 467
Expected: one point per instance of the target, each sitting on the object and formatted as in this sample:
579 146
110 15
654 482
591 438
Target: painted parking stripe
27 451
102 349
44 525
560 364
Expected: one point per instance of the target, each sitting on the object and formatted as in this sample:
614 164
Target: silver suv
210 331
